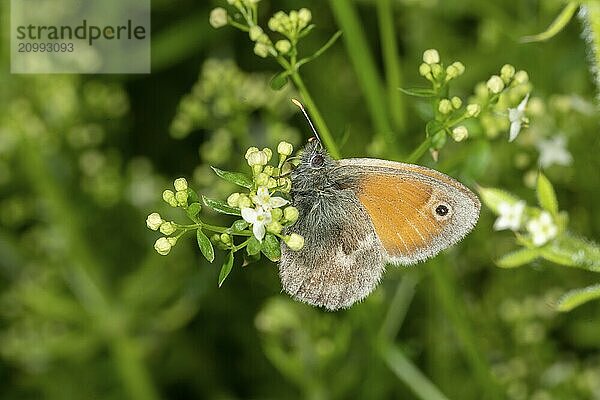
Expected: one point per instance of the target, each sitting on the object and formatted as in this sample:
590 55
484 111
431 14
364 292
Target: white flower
542 229
285 148
510 216
517 117
154 221
258 218
554 151
264 199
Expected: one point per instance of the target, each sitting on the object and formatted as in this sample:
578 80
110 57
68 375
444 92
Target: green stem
365 68
454 309
591 21
419 151
316 116
405 291
387 33
220 229
407 372
81 274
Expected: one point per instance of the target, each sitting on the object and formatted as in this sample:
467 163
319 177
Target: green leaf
253 246
433 127
221 206
322 50
419 92
494 197
270 247
239 225
556 26
192 196
226 268
546 196
278 81
577 297
518 258
572 251
205 245
237 178
193 210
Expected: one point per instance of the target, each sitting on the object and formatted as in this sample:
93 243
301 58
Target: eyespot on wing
416 211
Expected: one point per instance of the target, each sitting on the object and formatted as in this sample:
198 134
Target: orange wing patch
399 207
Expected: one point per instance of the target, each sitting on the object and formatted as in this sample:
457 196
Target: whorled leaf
518 258
236 178
205 245
221 206
419 92
253 246
270 247
546 195
572 251
226 268
577 297
492 198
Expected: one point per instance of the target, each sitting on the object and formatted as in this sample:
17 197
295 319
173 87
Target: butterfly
359 214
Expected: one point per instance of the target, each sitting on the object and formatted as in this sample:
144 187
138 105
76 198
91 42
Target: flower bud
473 110
272 183
255 32
225 238
437 71
167 228
218 17
163 246
507 72
283 46
245 202
456 102
261 50
180 184
274 227
424 69
460 133
262 179
257 158
431 56
451 72
250 151
445 106
285 185
294 241
268 152
169 197
269 170
290 214
216 238
495 84
304 16
233 200
285 148
181 198
276 214
521 77
460 67
154 221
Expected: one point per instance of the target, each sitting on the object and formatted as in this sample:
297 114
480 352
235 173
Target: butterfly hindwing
342 260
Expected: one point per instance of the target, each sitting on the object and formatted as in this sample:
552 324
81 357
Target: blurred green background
90 311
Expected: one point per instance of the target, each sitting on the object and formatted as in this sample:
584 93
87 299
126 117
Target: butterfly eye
442 211
317 161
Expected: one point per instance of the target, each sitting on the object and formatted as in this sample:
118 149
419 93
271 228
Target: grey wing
342 259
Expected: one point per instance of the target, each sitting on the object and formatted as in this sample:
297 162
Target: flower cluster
541 231
264 208
292 26
451 114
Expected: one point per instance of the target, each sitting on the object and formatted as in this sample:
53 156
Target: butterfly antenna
301 107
